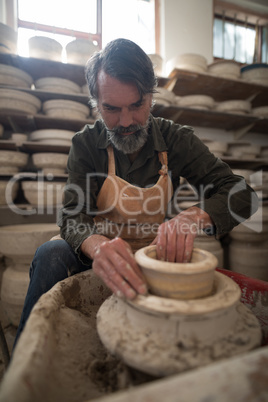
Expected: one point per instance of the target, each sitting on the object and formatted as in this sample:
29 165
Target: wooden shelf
220 89
46 95
26 122
39 68
211 118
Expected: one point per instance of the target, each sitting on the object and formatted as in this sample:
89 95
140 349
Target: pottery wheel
163 336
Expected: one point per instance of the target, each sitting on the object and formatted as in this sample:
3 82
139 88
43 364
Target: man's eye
110 108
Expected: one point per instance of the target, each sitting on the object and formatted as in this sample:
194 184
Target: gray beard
131 143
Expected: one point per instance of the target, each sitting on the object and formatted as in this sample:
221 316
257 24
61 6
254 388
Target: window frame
65 31
242 16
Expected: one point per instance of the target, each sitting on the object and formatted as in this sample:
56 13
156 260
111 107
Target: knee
53 253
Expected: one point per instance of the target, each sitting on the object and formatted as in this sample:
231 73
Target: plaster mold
12 100
65 109
8 39
13 193
15 77
18 244
43 47
50 162
79 51
12 161
56 84
229 69
42 193
248 250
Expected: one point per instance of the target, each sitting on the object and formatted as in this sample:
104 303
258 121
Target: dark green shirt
224 196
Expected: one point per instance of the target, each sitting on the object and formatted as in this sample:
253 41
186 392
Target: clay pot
162 336
178 280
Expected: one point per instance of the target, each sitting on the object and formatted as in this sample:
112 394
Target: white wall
186 27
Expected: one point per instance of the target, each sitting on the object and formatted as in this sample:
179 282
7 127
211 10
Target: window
233 41
62 20
240 31
100 20
130 19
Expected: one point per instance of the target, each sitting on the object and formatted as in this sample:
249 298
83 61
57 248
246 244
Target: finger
180 247
171 243
125 251
115 282
188 248
161 243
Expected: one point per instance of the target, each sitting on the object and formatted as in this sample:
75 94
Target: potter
137 150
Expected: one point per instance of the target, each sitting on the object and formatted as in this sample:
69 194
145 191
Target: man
122 174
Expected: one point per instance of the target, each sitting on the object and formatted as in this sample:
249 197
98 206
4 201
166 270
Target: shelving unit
183 83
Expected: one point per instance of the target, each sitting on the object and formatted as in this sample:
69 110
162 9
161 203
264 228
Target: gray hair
124 60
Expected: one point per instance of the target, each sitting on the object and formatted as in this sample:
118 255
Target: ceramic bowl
178 280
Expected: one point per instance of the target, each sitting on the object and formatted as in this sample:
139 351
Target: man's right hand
114 263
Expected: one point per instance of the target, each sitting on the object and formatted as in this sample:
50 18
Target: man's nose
126 118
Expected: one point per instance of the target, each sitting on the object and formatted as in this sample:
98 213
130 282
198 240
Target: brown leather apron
130 212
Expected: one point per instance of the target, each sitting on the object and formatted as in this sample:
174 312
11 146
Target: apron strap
111 162
163 159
